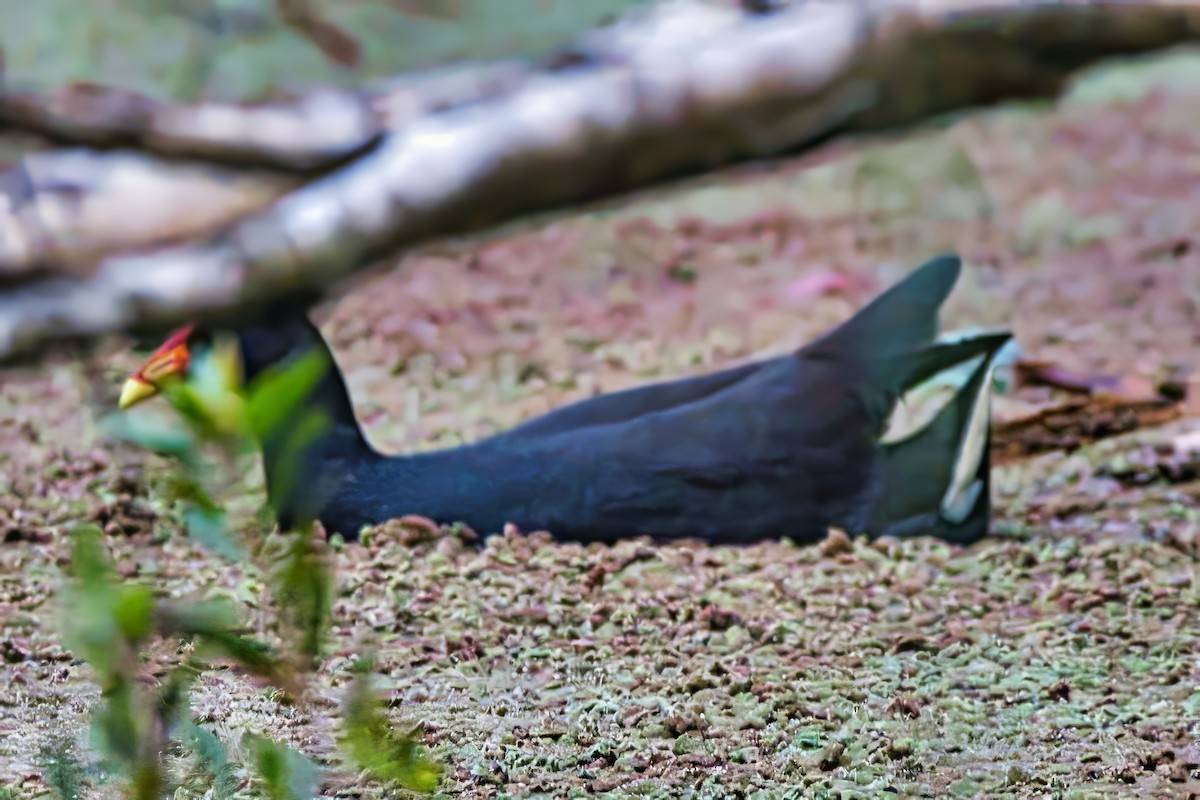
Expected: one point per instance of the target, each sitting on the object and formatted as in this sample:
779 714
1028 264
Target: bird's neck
304 469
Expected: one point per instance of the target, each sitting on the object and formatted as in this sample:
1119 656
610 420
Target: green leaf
285 773
163 440
115 729
90 628
281 390
207 526
148 782
197 618
89 559
134 612
214 625
188 403
210 400
372 744
173 706
253 655
304 590
213 757
287 465
189 491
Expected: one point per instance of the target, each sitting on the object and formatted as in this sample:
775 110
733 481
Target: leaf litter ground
1060 659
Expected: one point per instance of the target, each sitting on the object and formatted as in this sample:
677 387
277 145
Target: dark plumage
781 447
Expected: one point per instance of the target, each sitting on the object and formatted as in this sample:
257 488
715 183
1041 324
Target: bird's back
779 453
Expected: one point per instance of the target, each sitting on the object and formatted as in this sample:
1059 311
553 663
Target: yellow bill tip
135 391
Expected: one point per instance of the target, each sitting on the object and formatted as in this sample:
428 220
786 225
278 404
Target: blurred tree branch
149 214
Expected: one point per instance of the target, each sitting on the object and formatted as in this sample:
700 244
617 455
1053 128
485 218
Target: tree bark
216 210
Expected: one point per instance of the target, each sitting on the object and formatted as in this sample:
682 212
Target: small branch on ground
1100 406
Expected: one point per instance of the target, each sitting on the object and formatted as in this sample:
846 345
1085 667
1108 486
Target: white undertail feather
919 406
963 492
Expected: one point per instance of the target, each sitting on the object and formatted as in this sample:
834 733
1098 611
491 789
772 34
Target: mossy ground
1061 659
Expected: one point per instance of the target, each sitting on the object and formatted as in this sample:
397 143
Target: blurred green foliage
109 623
285 774
372 744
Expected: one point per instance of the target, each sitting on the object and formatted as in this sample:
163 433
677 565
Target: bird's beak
135 391
169 361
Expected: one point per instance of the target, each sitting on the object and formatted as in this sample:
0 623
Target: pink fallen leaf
817 284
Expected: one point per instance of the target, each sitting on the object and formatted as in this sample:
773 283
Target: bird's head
170 361
234 357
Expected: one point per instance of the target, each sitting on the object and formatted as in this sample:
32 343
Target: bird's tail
936 481
902 318
891 339
888 340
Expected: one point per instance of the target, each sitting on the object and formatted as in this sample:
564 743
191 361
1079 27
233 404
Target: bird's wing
630 404
880 349
770 424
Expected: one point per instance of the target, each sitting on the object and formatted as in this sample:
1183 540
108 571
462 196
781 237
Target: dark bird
786 446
